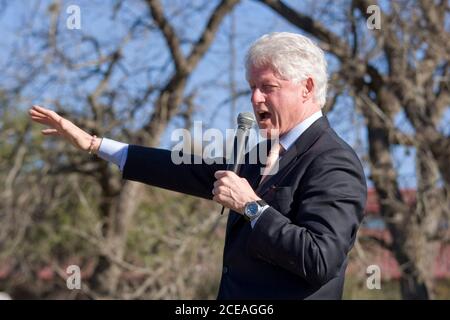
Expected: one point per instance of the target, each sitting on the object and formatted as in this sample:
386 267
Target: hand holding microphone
230 190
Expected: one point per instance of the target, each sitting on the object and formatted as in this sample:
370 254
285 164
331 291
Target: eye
269 87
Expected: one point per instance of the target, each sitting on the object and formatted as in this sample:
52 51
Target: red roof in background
389 266
373 205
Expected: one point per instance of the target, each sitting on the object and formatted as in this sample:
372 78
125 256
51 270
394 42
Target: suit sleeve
315 242
156 167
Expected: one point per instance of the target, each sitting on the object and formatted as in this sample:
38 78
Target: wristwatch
253 209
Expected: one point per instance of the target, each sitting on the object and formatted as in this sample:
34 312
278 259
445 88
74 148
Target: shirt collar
288 139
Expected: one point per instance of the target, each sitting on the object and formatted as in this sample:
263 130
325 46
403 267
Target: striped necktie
272 159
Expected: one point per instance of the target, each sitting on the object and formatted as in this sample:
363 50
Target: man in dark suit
289 231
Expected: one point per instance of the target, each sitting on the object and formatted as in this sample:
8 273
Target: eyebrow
264 80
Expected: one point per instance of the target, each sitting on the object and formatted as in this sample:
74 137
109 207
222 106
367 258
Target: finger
38 117
224 181
221 173
50 132
220 199
231 174
223 190
37 109
40 120
51 114
215 191
36 113
220 182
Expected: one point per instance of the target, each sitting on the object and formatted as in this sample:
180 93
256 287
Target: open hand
61 127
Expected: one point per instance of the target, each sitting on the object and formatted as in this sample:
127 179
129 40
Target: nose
257 97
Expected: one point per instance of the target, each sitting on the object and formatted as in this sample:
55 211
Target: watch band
262 203
262 207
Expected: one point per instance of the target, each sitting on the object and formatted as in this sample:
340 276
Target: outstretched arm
64 128
145 164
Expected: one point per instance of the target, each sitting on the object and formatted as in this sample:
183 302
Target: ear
308 89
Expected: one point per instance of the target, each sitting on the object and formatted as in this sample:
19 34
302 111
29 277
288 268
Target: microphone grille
245 120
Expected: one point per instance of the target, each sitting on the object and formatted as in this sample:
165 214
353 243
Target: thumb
50 132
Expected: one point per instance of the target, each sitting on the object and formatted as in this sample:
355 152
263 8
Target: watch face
252 209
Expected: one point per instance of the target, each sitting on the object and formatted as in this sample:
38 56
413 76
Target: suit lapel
301 145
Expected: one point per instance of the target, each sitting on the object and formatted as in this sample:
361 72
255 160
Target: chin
268 131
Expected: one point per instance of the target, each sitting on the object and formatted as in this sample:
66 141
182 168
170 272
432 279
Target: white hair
294 57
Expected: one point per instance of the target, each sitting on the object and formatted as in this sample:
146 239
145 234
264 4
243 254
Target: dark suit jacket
298 247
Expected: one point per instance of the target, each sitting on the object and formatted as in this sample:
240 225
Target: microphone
245 122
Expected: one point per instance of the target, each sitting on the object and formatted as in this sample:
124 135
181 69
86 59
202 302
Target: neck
309 111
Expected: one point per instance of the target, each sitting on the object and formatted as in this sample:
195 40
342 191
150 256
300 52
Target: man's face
277 103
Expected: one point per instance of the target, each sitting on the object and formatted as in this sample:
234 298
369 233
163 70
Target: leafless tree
103 104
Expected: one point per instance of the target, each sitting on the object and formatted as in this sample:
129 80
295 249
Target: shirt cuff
256 219
113 151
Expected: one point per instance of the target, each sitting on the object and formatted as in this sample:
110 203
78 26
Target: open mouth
263 115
